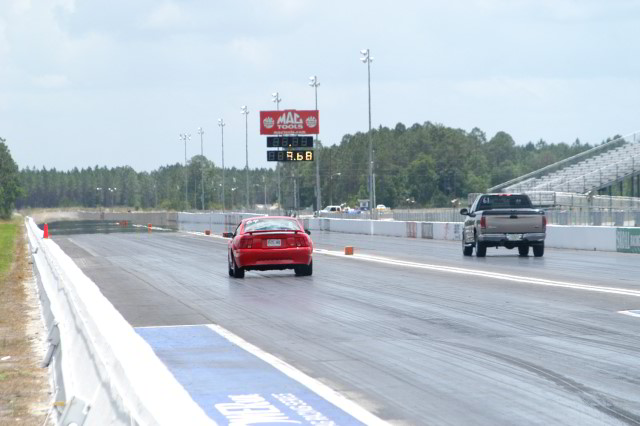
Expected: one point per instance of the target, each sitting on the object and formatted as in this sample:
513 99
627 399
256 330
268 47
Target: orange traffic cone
46 231
149 227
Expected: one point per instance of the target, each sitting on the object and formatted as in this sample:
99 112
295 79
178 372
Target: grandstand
595 171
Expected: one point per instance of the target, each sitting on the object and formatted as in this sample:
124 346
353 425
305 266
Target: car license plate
274 243
514 237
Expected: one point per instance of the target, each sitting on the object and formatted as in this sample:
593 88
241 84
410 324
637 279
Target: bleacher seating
595 172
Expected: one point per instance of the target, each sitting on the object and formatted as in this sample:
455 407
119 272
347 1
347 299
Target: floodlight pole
315 83
222 124
185 137
277 99
245 112
367 59
201 132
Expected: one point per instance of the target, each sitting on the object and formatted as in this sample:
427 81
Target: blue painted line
234 386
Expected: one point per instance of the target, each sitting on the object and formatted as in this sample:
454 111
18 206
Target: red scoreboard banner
289 122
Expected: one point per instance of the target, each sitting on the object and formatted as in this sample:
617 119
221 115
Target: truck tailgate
520 222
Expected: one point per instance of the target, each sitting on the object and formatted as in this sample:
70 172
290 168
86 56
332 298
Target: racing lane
411 345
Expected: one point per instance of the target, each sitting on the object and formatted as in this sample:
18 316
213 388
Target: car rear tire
304 270
523 250
538 250
229 265
481 249
237 271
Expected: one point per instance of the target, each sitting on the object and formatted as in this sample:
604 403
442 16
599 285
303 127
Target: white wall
558 236
582 237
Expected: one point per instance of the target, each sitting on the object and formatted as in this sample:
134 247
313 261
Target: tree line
423 165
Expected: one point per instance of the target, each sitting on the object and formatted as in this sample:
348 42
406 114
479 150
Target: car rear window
269 224
489 202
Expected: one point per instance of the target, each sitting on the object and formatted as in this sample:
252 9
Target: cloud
167 16
527 88
252 51
51 81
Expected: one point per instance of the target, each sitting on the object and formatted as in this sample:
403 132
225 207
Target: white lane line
485 274
634 313
319 388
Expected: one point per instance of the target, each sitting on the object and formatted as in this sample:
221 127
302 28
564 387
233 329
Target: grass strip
8 232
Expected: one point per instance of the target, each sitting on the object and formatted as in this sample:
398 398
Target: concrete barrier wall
582 237
603 238
558 236
103 372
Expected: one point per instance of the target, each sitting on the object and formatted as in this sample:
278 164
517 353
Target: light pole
315 83
245 112
276 98
331 187
111 191
185 137
221 124
367 59
201 132
264 182
233 190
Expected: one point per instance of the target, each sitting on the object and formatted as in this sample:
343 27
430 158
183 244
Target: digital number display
302 155
289 142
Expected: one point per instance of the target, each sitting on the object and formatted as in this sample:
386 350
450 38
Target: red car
271 242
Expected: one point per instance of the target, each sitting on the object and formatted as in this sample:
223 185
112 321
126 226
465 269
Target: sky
91 82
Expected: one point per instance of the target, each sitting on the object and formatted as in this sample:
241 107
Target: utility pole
264 182
221 124
201 132
367 59
245 112
185 137
276 98
315 83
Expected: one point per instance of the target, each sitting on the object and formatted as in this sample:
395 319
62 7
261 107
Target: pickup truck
503 220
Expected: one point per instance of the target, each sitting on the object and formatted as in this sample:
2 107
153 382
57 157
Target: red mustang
272 242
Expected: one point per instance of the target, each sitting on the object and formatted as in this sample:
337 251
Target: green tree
10 188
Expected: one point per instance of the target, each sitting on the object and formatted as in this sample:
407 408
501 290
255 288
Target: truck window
490 202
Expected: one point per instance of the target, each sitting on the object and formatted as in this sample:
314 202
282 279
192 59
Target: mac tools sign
289 122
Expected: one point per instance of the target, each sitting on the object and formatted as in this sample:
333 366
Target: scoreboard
289 142
289 155
289 134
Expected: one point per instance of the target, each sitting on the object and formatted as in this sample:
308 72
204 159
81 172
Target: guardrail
102 371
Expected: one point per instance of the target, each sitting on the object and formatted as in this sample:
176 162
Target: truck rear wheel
538 250
481 249
523 250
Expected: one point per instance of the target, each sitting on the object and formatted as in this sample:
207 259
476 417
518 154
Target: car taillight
245 242
301 242
544 223
483 222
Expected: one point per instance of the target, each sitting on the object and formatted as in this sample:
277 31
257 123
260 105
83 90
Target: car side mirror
227 234
307 232
464 212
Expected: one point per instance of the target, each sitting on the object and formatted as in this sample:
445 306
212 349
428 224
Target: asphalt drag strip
411 345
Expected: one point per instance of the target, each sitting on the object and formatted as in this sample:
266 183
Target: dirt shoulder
24 385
